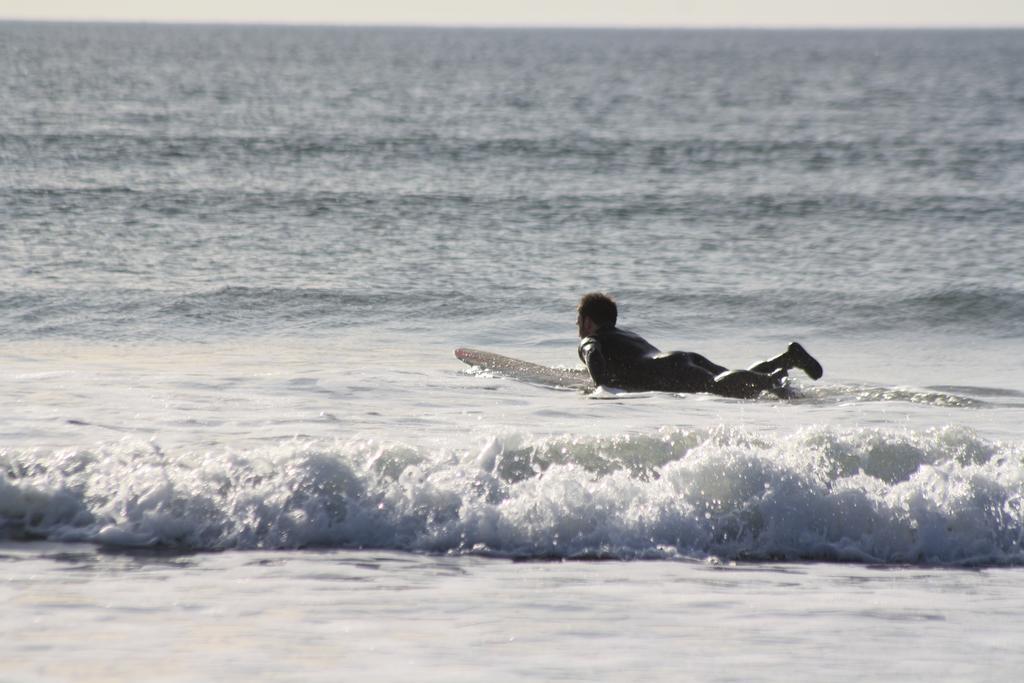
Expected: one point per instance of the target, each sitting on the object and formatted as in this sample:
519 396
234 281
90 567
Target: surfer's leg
779 362
795 356
679 372
747 384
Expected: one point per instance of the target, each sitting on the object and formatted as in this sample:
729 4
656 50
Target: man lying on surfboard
621 359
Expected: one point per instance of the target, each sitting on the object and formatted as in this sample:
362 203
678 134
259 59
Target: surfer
622 359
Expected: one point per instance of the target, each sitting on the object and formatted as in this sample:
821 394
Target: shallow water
317 615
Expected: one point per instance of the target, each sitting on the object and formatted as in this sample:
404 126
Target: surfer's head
597 309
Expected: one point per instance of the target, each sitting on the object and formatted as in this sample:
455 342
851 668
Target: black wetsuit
624 360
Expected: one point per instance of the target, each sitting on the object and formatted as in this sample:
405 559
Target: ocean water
235 262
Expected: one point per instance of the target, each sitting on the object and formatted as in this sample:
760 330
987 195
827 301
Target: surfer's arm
590 354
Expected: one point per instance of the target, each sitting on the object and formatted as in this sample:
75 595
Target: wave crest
943 496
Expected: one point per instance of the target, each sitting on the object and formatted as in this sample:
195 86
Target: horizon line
520 26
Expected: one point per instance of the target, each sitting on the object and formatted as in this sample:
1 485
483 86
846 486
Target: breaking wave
939 497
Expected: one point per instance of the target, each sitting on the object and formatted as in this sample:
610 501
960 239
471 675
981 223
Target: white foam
941 496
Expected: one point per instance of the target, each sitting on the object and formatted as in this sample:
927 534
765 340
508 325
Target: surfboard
525 371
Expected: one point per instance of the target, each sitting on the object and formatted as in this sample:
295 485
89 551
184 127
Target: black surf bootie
803 360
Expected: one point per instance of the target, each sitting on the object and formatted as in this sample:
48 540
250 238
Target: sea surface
235 444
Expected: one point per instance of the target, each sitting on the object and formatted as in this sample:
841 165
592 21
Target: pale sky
653 13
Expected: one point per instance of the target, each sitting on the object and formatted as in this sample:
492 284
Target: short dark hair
598 307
